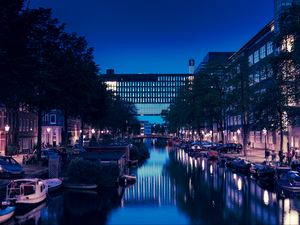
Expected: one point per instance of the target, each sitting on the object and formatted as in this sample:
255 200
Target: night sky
159 36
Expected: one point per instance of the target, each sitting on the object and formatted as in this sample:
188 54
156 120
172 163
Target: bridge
152 136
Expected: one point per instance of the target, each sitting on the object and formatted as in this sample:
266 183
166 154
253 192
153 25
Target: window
263 52
52 119
256 56
250 60
269 48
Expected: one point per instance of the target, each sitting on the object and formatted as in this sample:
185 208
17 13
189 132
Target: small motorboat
6 213
79 186
54 184
126 180
212 155
263 171
266 173
239 165
26 192
289 182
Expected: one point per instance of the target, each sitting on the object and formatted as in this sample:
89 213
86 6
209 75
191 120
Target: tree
277 106
238 93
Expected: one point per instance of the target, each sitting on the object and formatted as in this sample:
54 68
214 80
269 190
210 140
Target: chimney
191 66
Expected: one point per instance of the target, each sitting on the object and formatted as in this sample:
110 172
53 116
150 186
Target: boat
289 182
262 171
80 186
126 180
26 192
6 213
266 173
212 155
54 184
239 165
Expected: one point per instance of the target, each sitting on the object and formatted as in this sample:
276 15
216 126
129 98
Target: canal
171 188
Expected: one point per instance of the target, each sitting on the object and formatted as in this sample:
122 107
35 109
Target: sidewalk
253 155
31 171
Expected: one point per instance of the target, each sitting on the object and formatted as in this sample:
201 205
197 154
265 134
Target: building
281 6
213 57
151 93
53 125
22 133
256 53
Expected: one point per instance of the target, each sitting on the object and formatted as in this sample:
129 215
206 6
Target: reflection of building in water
157 190
240 195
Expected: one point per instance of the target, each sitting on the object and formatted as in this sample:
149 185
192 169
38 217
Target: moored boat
239 165
6 213
80 186
26 192
212 155
289 182
54 184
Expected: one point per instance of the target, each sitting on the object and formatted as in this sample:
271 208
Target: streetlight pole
265 133
48 132
238 137
6 128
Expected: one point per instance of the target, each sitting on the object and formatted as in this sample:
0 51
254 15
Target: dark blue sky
159 36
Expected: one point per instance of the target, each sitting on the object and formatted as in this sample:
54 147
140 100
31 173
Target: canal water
171 188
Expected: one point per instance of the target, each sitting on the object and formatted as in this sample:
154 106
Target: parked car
230 147
9 167
77 149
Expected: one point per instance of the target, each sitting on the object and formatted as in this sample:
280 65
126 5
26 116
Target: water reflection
173 188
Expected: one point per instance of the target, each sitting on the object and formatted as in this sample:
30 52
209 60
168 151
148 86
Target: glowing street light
6 128
238 135
48 131
265 133
93 131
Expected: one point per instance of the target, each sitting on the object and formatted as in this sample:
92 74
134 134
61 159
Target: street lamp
238 133
265 133
6 128
93 131
48 132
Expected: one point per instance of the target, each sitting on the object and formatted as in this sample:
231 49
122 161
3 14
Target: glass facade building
151 93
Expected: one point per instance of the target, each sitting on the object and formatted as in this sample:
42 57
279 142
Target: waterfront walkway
31 170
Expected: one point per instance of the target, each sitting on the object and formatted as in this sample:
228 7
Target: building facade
53 125
151 93
22 133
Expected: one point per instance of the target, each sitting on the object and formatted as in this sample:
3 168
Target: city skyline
160 36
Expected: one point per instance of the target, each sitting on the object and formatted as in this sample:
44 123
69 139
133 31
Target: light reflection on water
173 188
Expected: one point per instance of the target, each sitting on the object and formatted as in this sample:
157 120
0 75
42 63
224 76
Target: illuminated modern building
281 6
151 93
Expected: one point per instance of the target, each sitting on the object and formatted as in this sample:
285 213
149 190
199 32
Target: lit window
53 119
263 52
256 56
288 43
269 48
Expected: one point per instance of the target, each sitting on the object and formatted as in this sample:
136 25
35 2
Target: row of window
148 84
261 53
148 100
49 119
234 120
26 125
155 95
172 78
259 76
150 90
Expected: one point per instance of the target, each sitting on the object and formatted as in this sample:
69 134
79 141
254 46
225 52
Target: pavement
253 155
31 170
